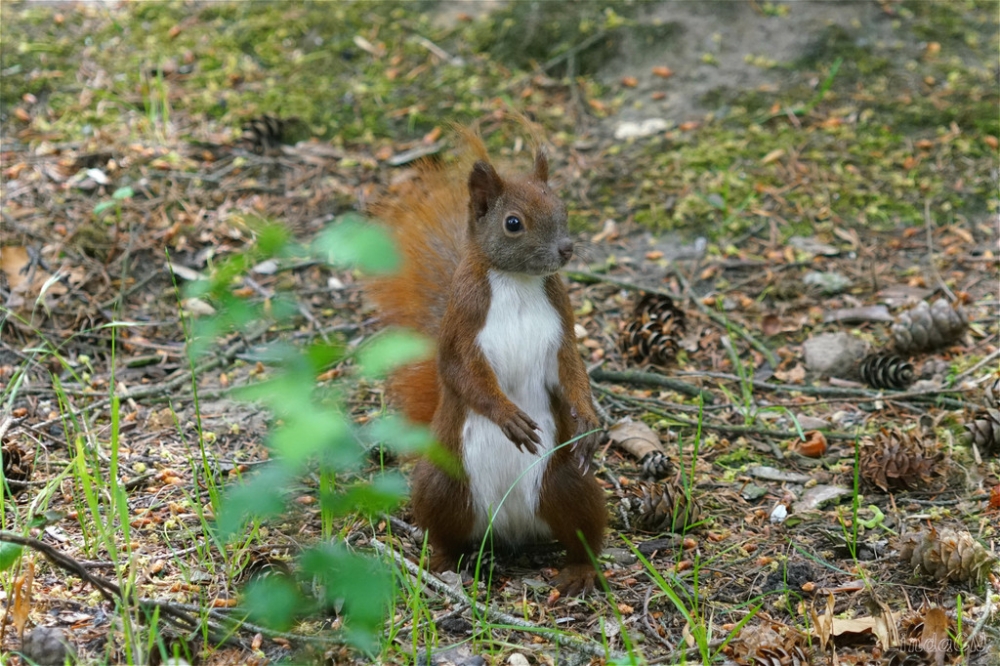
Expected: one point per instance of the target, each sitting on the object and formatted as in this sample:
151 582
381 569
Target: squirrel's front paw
588 431
522 430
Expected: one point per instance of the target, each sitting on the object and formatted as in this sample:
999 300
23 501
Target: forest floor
780 170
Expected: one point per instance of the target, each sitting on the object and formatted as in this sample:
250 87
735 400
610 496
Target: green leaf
103 206
322 355
362 584
391 349
355 242
399 434
123 193
9 552
380 496
321 432
272 239
260 497
274 601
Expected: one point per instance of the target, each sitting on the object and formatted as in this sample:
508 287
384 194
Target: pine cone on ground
777 655
17 463
771 645
664 507
653 334
911 631
897 460
925 327
655 465
985 425
886 371
264 133
947 555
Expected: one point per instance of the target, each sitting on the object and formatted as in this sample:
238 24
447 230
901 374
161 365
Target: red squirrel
480 255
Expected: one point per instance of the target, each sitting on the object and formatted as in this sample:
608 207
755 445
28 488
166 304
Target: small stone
833 354
47 646
637 130
829 282
815 497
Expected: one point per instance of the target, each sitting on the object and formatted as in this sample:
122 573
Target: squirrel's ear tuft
485 186
541 166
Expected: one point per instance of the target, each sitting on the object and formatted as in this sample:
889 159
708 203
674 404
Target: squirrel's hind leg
572 504
442 507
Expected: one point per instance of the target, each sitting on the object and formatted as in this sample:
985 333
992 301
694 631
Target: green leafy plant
312 430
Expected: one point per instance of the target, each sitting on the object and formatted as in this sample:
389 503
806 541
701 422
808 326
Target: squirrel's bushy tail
427 216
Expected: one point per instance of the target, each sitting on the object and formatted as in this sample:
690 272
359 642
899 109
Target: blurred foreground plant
311 430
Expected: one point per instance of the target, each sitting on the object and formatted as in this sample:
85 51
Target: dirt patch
719 51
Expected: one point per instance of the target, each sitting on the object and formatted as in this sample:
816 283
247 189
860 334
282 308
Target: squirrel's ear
485 187
541 166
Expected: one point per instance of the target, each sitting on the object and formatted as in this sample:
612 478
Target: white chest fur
520 340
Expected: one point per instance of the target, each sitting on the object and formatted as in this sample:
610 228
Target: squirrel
480 255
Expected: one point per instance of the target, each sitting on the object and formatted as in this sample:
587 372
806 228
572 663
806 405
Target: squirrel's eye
513 224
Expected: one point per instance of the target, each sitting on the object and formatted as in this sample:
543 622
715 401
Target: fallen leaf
22 597
934 639
823 624
630 81
635 437
663 72
432 136
774 474
770 324
813 246
794 375
819 495
859 315
13 260
608 232
814 445
773 156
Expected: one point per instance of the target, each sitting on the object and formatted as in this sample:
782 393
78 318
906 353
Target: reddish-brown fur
443 291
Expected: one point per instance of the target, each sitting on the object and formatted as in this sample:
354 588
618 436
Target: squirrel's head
519 223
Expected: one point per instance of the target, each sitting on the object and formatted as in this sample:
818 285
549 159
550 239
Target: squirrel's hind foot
575 580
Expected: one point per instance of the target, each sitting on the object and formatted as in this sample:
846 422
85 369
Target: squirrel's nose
565 249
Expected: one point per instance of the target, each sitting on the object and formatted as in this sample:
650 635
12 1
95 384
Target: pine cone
777 655
911 631
17 463
985 426
787 288
924 327
653 335
664 507
985 432
886 371
947 555
896 460
655 465
264 133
